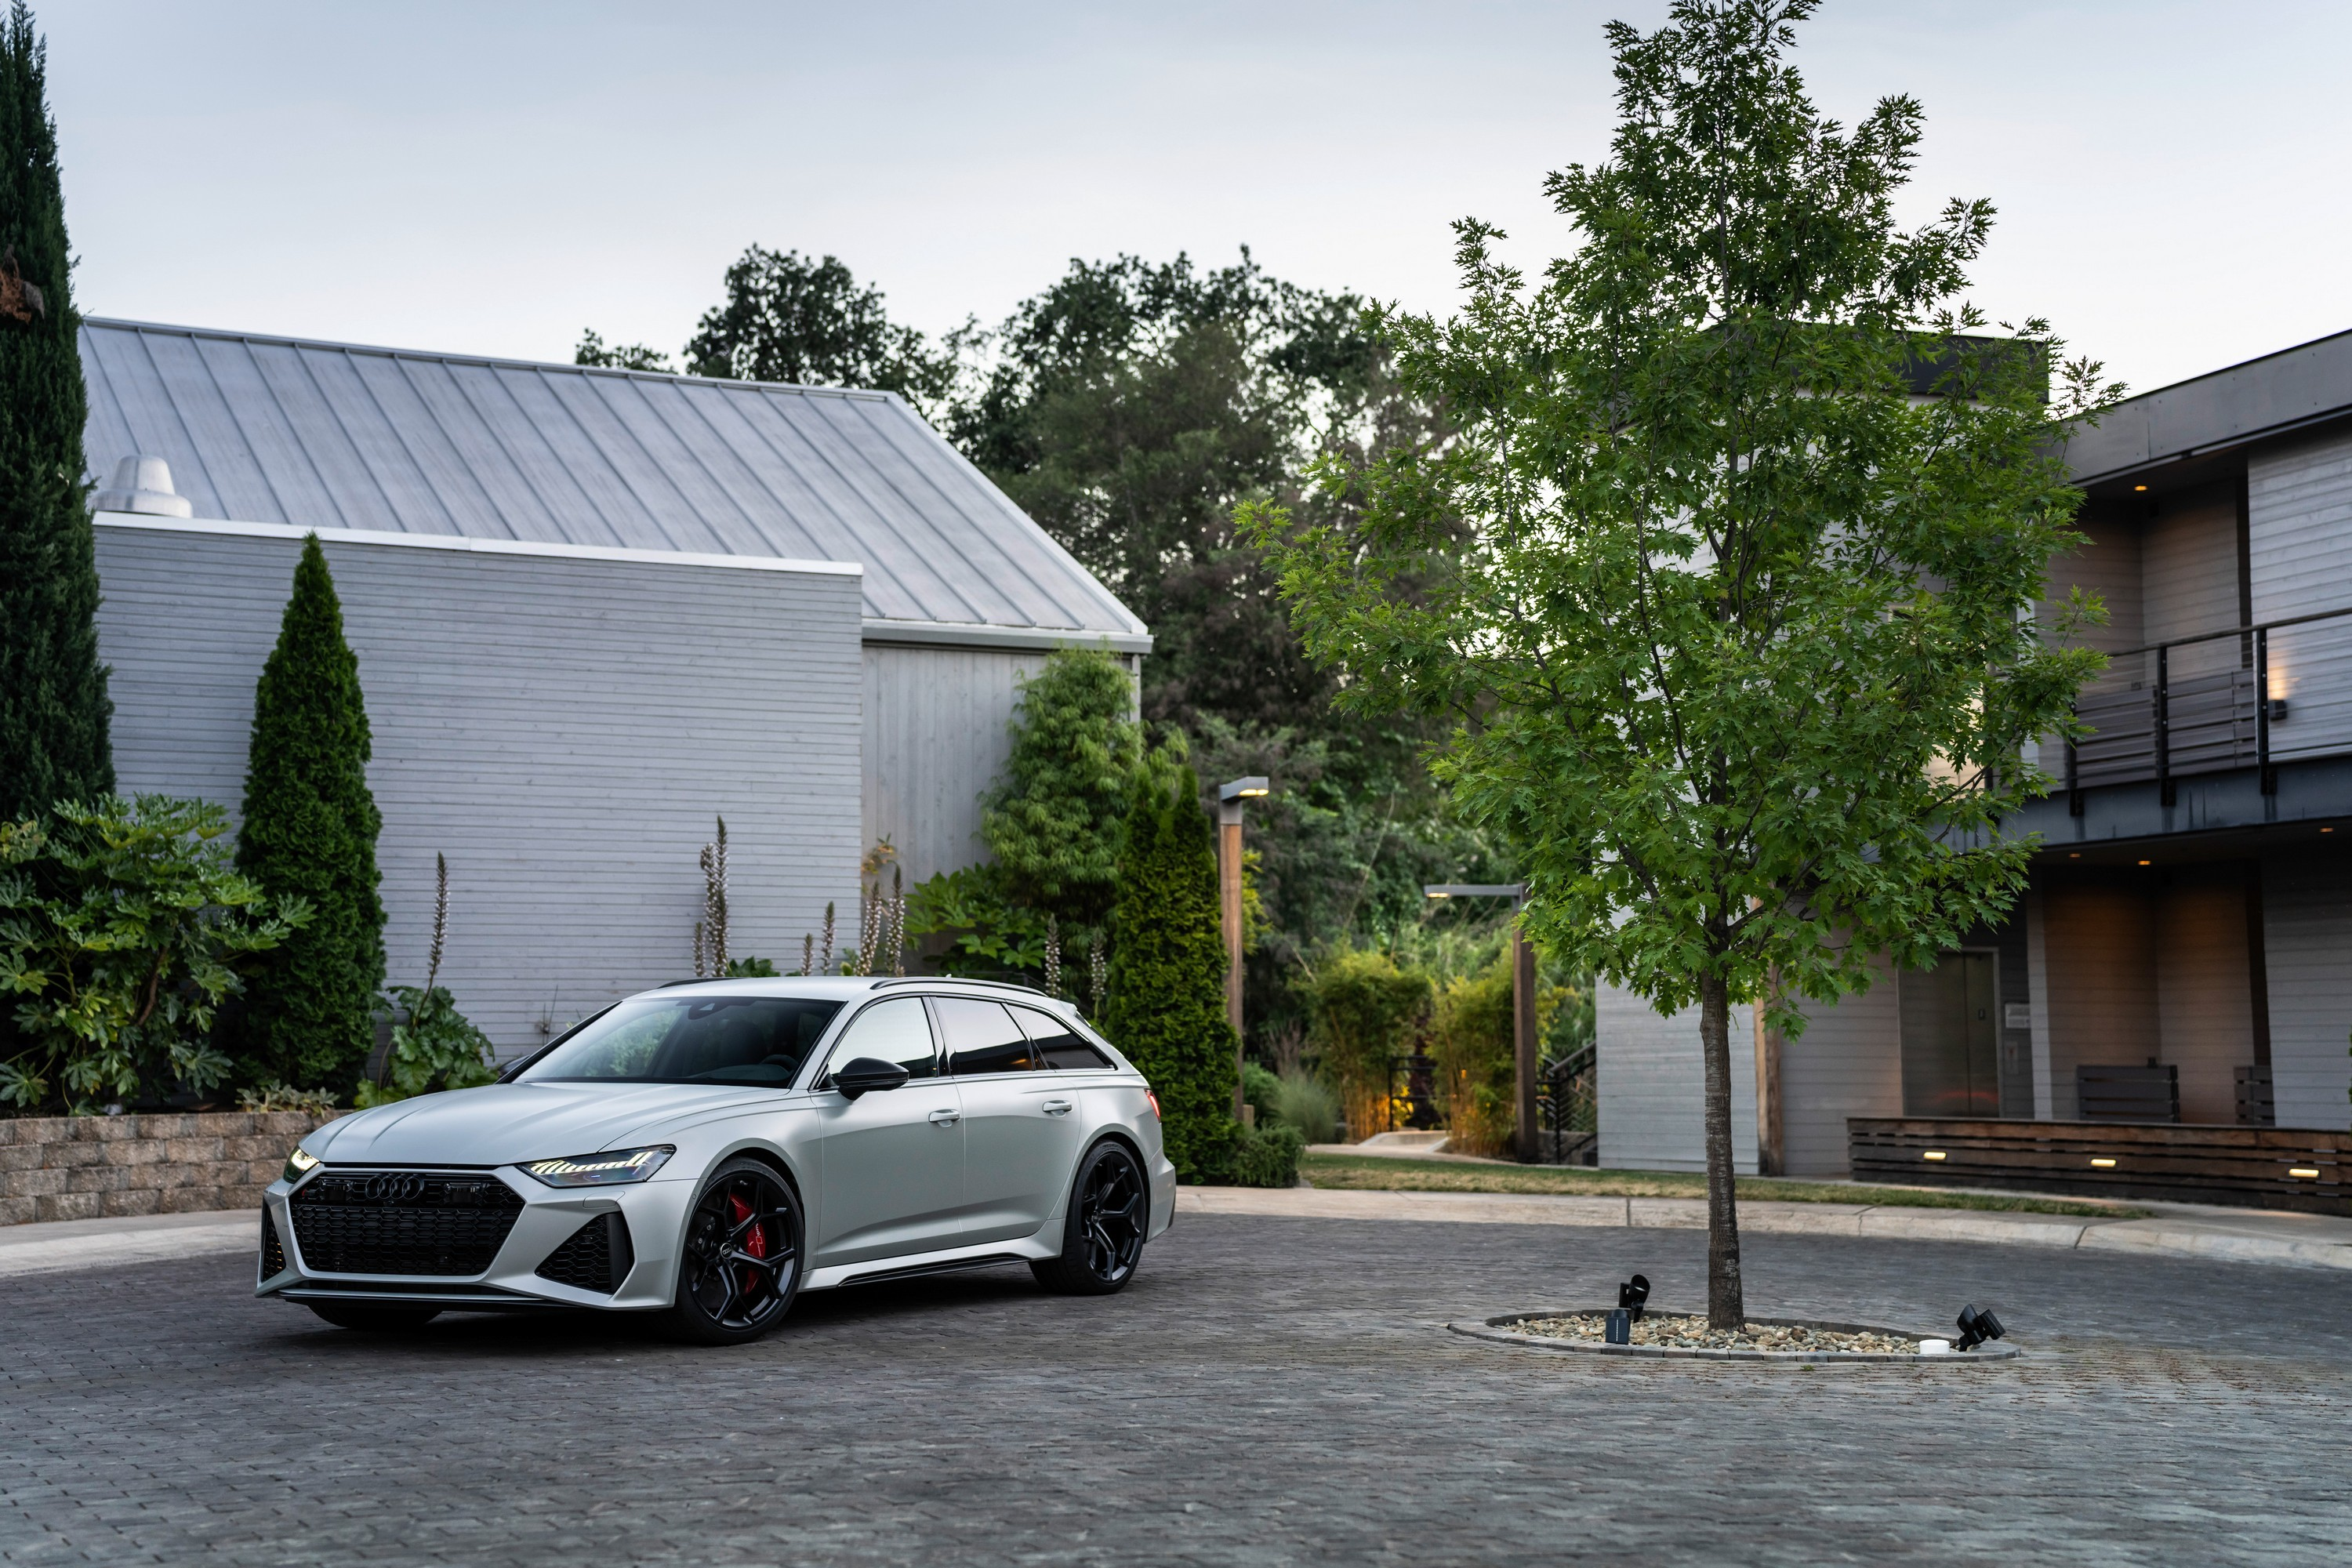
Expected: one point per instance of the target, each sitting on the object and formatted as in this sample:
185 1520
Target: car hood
506 1122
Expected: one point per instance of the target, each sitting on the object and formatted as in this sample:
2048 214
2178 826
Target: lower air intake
273 1255
598 1257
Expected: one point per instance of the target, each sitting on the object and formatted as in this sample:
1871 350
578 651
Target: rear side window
892 1031
1056 1042
981 1038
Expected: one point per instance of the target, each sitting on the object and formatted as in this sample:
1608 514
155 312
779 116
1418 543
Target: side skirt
945 1261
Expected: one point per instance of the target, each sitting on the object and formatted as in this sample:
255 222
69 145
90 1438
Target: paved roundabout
1270 1390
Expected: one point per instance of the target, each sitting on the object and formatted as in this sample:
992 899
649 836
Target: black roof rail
958 980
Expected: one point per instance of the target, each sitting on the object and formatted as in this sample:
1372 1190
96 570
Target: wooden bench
2308 1169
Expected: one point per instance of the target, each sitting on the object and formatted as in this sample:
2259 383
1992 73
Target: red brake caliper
755 1243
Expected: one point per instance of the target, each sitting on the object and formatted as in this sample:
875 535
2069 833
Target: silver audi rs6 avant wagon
709 1150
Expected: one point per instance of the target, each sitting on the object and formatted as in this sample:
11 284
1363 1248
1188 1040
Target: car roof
847 988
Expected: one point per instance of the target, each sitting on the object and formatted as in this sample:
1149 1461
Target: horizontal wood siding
2299 502
2107 564
1846 1063
563 729
2250 1166
1652 1083
936 734
2307 953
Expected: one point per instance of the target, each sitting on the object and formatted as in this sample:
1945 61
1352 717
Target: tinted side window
1057 1042
893 1031
982 1038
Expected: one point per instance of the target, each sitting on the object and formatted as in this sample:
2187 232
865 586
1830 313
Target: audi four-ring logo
395 1189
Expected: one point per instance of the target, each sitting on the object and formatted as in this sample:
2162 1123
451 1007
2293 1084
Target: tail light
1155 1103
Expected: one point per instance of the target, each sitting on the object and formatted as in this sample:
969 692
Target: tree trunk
1726 1306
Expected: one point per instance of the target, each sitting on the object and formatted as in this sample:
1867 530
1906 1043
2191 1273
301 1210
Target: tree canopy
1731 626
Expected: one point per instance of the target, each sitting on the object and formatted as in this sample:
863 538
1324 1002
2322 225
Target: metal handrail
2256 655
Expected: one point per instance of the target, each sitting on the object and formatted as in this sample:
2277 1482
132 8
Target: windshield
750 1040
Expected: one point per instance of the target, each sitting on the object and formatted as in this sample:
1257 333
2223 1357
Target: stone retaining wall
82 1167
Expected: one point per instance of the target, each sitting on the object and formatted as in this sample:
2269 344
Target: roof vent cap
143 484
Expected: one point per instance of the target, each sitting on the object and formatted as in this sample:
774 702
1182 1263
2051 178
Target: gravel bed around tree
1676 1334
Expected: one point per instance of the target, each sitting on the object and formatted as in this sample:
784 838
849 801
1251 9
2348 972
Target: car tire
739 1267
1108 1216
376 1320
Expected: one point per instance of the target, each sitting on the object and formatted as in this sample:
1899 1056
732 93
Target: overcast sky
493 177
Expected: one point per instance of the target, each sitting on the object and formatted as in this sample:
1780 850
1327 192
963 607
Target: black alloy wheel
376 1320
1102 1241
741 1265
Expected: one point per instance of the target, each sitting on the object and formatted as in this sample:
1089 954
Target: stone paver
1271 1390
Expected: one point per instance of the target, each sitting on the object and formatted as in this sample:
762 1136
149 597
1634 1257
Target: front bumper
654 1211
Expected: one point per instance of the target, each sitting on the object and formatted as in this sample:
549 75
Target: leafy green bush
1477 1063
270 1097
435 1049
1260 1092
1305 1102
121 928
991 934
1167 1004
1364 1006
1267 1156
751 969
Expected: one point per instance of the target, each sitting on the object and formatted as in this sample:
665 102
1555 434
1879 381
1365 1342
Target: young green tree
1734 624
1053 817
309 832
1167 1004
53 703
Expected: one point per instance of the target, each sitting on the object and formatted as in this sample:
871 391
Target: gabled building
2185 951
593 611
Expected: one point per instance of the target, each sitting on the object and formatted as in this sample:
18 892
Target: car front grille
273 1255
597 1258
402 1221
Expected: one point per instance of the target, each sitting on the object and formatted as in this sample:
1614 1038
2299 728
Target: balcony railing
2208 722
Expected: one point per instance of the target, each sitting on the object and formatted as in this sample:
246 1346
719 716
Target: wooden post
1229 900
1523 1021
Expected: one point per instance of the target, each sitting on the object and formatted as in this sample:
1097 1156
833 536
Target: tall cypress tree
53 702
309 829
1167 1004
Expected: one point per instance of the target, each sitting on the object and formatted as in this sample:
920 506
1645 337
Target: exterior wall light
1933 1154
2101 1163
2304 1172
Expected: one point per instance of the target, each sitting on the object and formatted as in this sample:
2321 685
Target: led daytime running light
299 1164
608 1169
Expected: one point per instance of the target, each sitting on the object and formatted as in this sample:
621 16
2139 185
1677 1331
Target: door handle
945 1117
1055 1108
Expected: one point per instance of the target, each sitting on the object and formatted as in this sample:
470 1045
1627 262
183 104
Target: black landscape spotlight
1977 1327
1619 1329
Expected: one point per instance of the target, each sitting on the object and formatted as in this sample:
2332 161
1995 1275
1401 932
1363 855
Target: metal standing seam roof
325 435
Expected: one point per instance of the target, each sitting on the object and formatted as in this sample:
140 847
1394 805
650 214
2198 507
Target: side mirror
865 1075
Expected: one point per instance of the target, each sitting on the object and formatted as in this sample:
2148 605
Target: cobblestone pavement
1268 1390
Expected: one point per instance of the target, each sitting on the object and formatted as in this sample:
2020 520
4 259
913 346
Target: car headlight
603 1170
299 1164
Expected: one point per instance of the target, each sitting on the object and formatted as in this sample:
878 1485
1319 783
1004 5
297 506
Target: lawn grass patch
1380 1173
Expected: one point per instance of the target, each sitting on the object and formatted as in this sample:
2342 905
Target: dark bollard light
1632 1294
1977 1327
